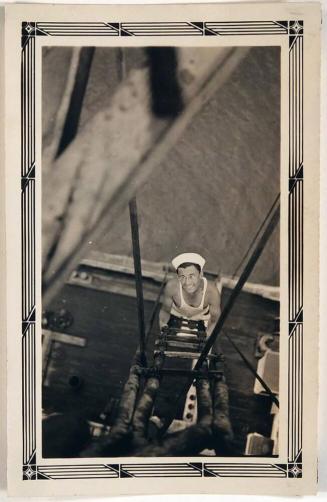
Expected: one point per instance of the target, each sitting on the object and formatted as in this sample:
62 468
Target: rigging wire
252 369
249 366
274 219
138 276
155 308
121 63
255 237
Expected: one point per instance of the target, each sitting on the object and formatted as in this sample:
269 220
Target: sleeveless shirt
187 311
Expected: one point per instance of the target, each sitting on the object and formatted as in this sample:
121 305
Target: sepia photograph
161 174
162 209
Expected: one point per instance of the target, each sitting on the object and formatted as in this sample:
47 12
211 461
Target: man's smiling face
190 278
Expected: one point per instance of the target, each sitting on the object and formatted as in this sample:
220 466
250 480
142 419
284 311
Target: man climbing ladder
189 312
190 296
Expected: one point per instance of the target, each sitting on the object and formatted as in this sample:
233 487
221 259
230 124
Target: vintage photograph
162 220
161 182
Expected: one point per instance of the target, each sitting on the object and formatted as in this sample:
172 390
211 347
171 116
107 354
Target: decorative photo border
293 469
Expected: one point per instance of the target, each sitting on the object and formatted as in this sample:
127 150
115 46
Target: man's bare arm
167 302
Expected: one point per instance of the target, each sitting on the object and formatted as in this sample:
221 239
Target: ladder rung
173 371
182 338
181 344
184 355
186 331
186 345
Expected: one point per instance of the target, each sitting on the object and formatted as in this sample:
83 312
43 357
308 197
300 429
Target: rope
240 283
253 371
121 63
147 336
138 276
255 237
228 307
155 308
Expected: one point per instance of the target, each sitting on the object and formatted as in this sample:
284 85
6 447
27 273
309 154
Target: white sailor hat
188 258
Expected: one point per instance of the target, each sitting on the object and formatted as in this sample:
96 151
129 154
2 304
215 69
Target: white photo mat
295 29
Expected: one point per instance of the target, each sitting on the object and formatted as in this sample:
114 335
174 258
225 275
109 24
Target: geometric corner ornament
29 472
294 30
